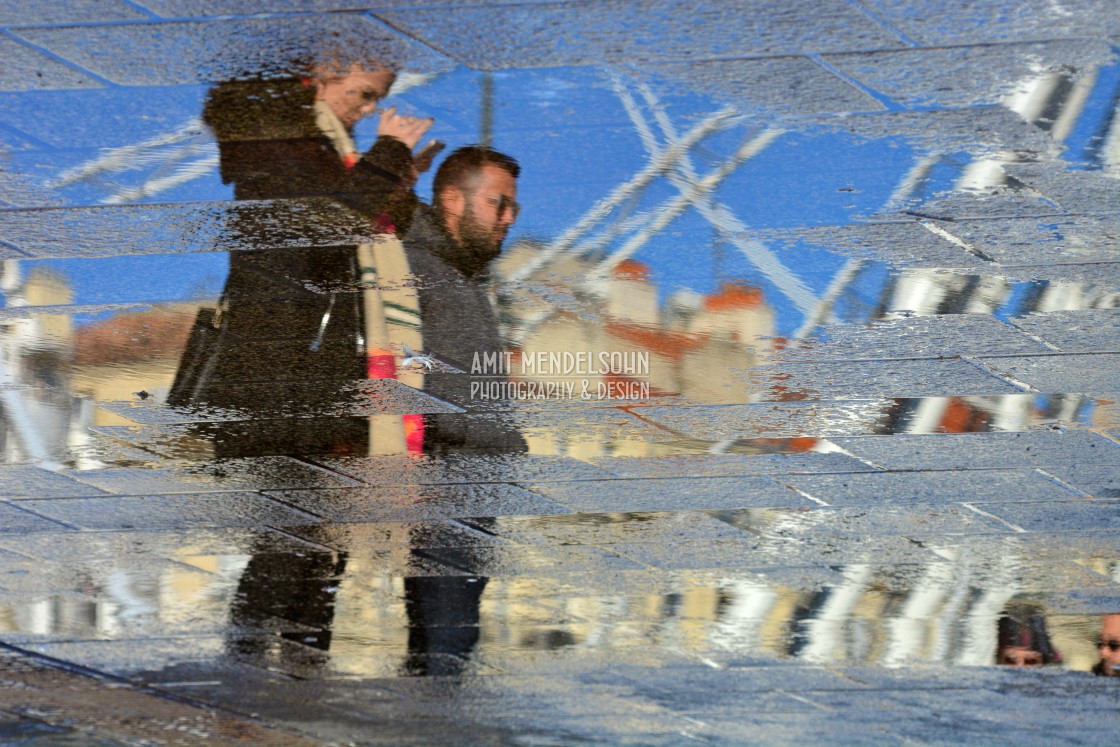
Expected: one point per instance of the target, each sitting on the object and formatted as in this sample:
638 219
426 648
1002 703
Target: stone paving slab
248 473
992 20
600 528
727 465
882 378
27 69
34 482
669 494
749 84
1097 480
419 503
525 38
965 76
843 417
93 710
113 231
1105 275
1088 330
1073 191
1051 516
1096 374
16 13
984 131
982 451
456 469
1020 241
180 511
109 547
16 519
925 336
216 50
921 488
900 244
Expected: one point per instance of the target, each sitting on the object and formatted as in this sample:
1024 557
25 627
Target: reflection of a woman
1024 640
292 335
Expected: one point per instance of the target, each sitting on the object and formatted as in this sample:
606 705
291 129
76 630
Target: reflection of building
39 419
52 372
696 344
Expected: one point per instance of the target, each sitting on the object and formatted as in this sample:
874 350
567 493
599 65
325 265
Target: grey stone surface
1071 191
169 511
966 76
419 502
1074 331
525 37
726 465
1019 241
878 378
929 488
1097 374
28 69
900 244
588 528
982 450
918 337
248 473
217 50
16 13
1057 516
990 20
35 482
841 417
669 494
20 518
983 131
162 229
783 86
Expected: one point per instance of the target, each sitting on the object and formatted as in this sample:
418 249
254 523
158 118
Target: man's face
353 94
1110 636
489 208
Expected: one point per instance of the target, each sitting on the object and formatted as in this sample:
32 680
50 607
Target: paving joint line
4 32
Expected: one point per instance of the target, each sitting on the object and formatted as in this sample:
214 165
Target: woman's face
354 94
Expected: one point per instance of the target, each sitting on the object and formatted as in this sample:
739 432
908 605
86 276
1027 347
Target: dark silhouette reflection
1108 647
298 330
286 334
450 248
285 611
1024 640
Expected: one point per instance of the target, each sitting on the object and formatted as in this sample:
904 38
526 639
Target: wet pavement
787 414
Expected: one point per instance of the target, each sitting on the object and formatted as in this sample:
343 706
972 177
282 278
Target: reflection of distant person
450 247
1024 640
1108 646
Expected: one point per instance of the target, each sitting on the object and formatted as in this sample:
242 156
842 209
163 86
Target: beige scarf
391 307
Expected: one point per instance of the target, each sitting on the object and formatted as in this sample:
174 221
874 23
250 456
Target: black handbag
200 357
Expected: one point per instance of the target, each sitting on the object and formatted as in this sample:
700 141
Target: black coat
292 331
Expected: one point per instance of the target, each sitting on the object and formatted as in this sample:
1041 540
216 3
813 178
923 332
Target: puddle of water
642 433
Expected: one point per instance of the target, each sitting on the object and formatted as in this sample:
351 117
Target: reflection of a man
450 247
1108 647
448 251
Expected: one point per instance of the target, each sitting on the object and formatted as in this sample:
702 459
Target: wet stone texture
787 413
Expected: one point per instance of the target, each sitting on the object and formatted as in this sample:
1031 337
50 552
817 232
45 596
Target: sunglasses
1112 646
503 204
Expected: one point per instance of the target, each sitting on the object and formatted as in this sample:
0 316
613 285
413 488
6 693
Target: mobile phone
424 157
